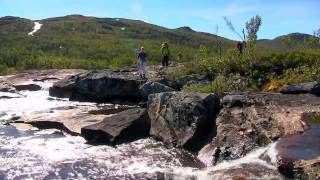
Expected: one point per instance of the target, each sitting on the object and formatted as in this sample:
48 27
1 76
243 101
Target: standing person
142 58
240 46
165 54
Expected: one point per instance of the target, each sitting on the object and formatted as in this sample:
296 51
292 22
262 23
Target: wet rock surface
6 86
183 120
126 126
34 154
67 119
249 121
51 75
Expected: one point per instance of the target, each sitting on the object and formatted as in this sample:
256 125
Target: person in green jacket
165 52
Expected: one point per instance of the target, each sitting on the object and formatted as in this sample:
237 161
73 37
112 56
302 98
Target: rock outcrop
302 88
98 86
153 88
6 86
248 121
124 127
298 88
183 120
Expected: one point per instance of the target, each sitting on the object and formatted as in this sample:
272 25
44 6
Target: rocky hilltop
219 128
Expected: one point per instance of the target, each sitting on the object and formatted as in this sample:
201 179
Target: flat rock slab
51 75
68 120
124 127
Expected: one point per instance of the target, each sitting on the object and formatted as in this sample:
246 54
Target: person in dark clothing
240 46
165 52
142 58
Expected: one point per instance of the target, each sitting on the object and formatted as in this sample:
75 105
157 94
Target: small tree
250 37
230 25
253 26
316 34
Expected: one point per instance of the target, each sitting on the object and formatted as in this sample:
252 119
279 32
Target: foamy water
34 102
37 26
51 154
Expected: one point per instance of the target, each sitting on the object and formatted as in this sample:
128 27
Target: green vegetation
96 43
256 69
88 42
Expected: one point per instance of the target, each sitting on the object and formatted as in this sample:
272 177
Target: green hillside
287 42
77 41
103 40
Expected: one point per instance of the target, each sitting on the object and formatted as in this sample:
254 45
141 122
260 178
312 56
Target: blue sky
279 16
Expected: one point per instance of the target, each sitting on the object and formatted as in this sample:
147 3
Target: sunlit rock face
249 121
183 120
126 126
99 85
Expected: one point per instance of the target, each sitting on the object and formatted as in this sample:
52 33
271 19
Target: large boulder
298 156
99 85
124 127
247 122
153 88
298 88
183 120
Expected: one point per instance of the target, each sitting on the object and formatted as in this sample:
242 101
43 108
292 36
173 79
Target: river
31 153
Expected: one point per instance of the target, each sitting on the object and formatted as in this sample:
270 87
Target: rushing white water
50 154
37 26
34 102
30 154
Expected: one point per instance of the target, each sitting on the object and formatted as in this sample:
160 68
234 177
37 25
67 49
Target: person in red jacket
240 46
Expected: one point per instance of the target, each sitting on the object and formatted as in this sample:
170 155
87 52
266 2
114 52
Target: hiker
165 54
240 46
142 58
